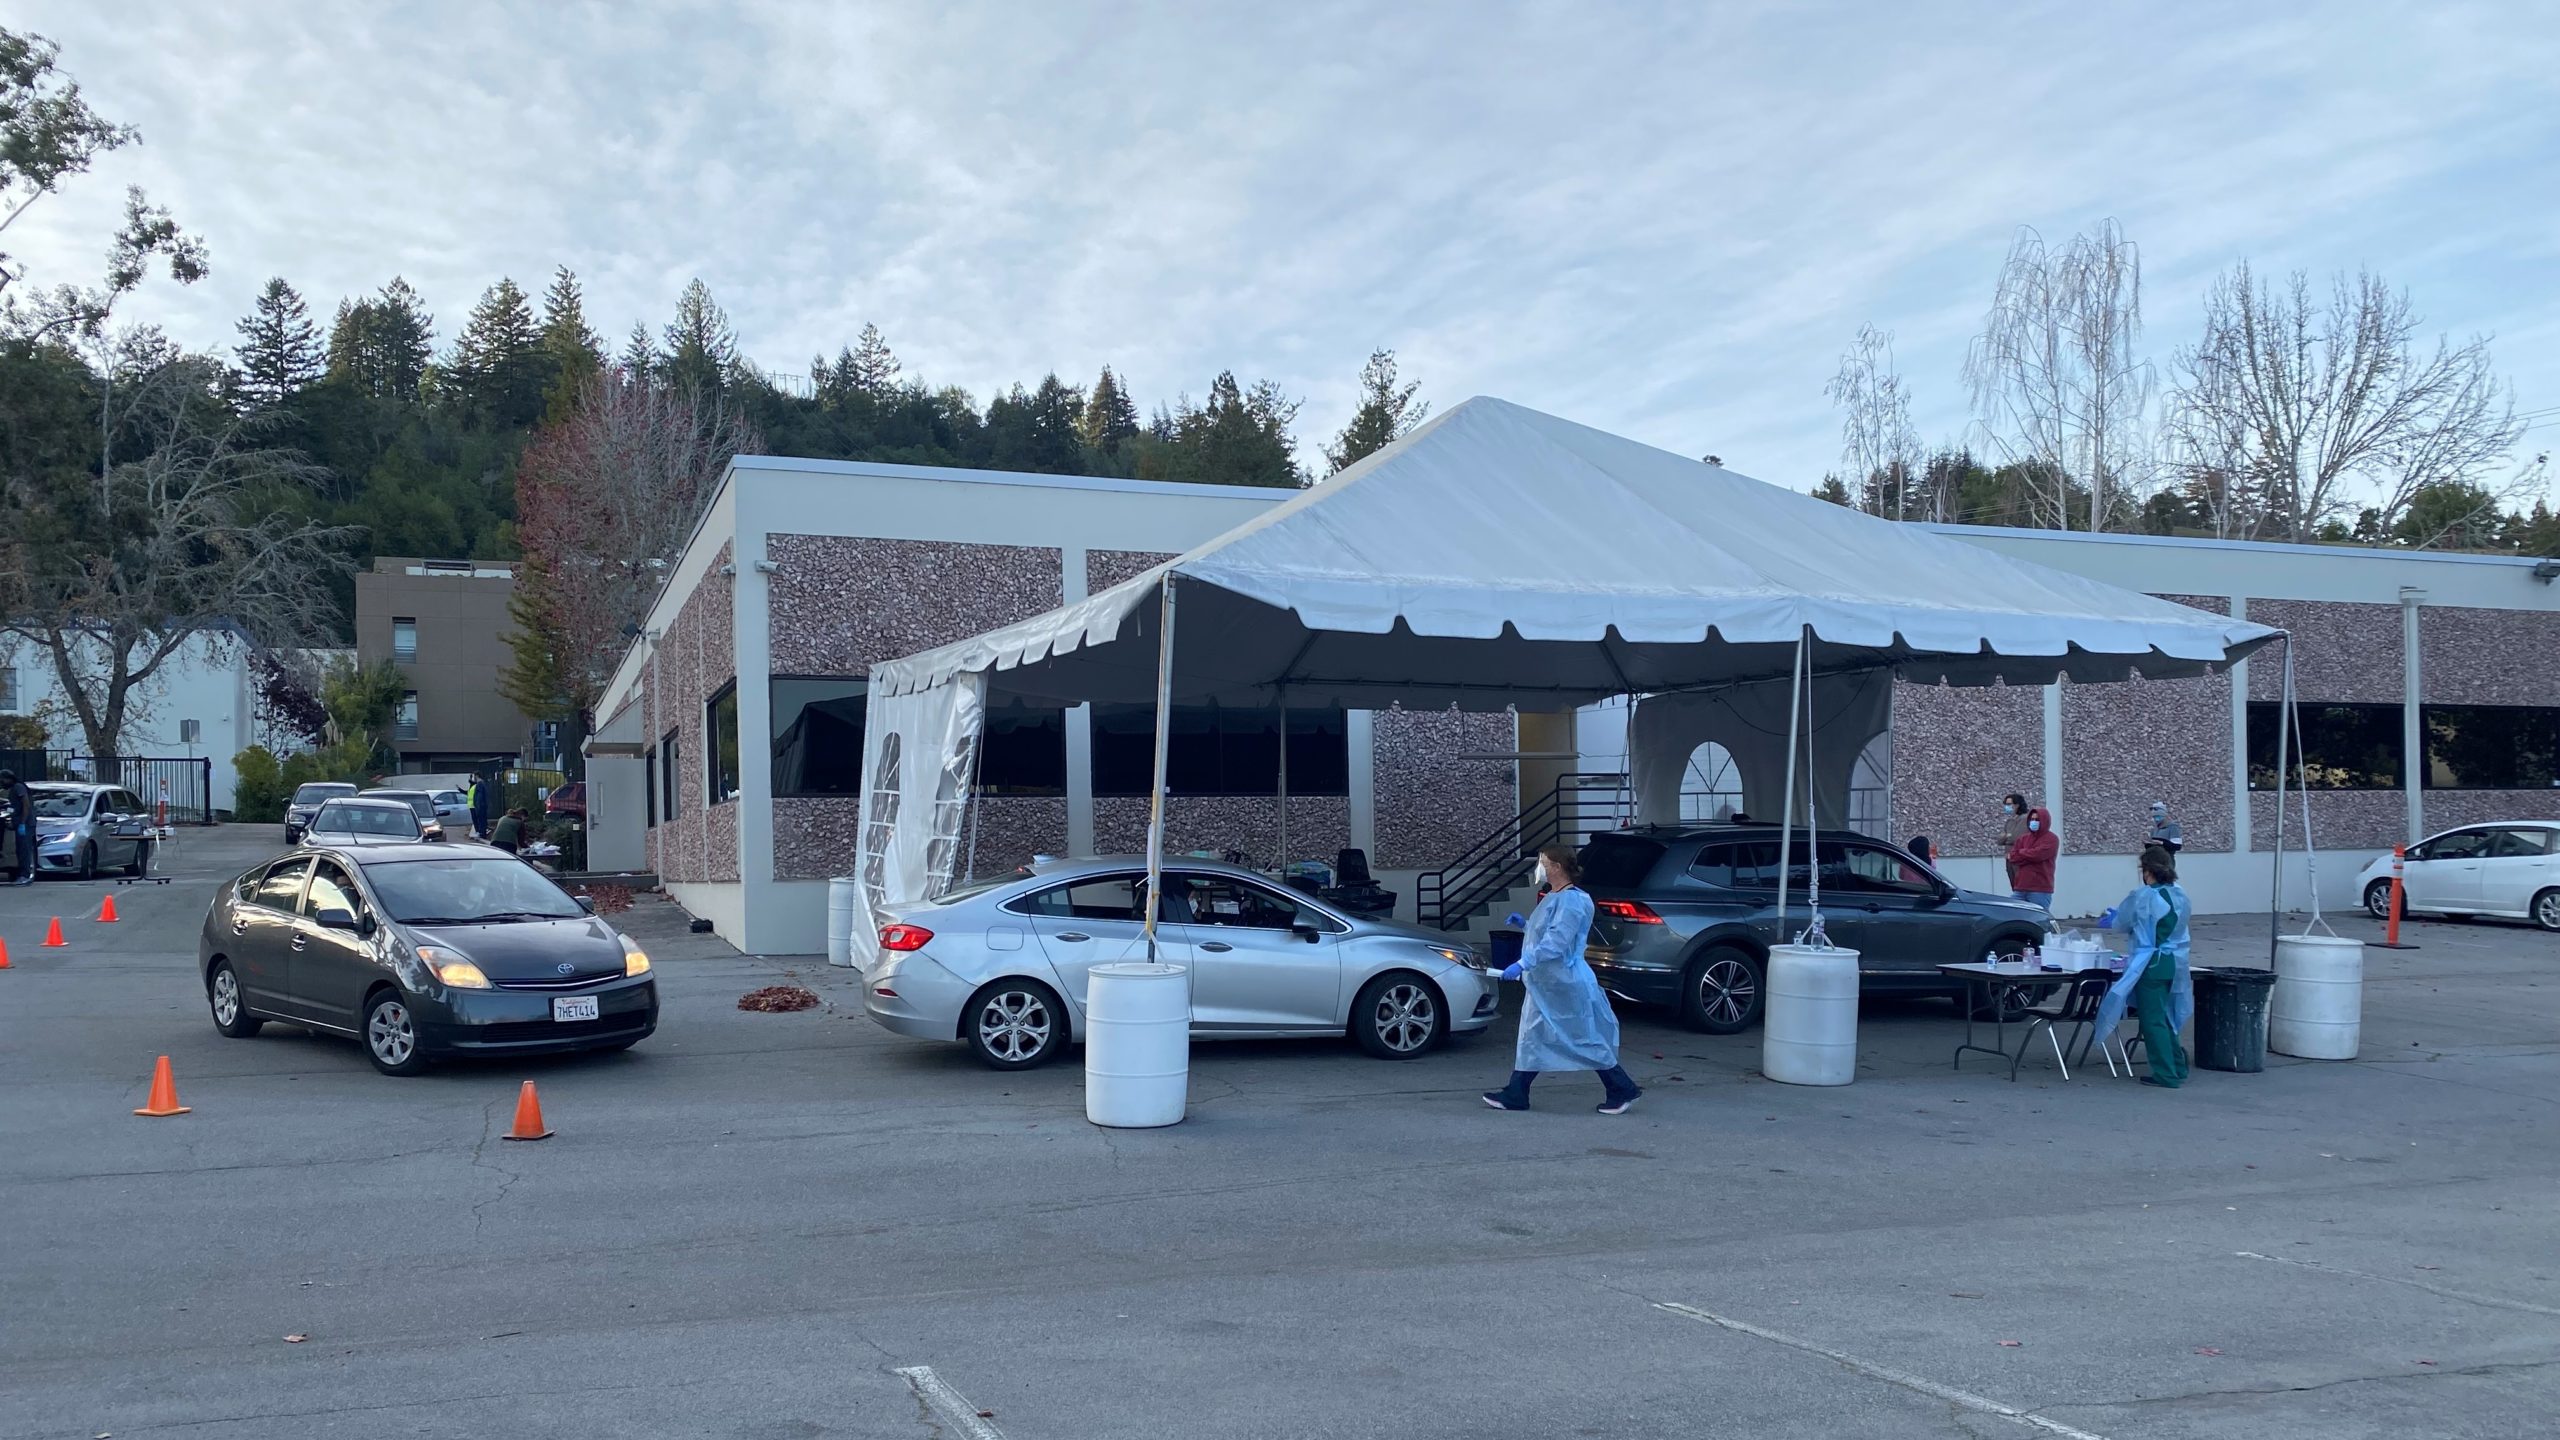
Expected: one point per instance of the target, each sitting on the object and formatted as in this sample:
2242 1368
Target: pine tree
640 361
571 351
700 344
279 348
406 339
1110 417
496 372
1836 491
1056 409
1387 412
875 370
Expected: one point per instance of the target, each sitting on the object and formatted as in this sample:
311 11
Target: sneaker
1620 1107
1500 1101
2163 1084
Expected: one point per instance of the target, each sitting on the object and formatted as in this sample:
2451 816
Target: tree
700 344
1241 437
2451 515
2056 384
1110 417
1386 414
571 352
285 715
182 540
875 370
640 360
1876 438
2291 403
1054 412
496 370
1833 490
381 346
604 499
363 700
279 353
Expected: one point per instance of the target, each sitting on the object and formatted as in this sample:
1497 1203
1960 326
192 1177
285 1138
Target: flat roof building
444 623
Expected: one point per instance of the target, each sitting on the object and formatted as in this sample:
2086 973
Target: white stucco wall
207 681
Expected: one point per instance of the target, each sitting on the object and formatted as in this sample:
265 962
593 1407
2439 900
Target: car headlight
635 961
1458 956
453 968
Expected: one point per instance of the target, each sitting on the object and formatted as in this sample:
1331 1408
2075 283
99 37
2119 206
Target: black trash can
2231 1018
1505 947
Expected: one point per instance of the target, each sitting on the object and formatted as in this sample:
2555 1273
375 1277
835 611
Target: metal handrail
1499 860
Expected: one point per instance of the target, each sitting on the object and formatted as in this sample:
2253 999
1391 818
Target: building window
1220 751
404 725
404 638
649 789
2340 747
1023 752
720 724
2491 747
671 802
8 690
817 736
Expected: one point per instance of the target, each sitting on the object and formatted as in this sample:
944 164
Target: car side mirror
336 919
587 903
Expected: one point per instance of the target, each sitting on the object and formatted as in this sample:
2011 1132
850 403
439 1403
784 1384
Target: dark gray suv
1685 917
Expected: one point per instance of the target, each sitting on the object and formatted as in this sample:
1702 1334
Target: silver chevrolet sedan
1000 967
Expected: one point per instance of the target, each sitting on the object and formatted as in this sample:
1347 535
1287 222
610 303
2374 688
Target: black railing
185 783
1580 806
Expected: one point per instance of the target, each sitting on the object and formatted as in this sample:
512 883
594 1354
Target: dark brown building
445 624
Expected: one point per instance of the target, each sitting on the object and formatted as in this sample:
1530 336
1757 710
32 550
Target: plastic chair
2077 1007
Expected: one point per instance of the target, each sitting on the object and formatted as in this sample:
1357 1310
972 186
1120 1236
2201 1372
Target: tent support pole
1164 736
2284 733
1280 866
1787 824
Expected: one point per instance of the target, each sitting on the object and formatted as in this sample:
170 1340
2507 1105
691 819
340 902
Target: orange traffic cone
53 935
529 1124
4 952
164 1092
107 910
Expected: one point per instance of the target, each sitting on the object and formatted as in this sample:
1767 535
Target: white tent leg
1164 736
1787 823
2284 735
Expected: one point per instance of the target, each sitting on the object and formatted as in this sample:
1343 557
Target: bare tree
2058 388
183 540
2294 403
1877 443
605 498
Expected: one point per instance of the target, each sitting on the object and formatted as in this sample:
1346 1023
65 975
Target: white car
2509 868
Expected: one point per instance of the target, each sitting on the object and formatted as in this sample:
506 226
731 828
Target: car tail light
884 990
1634 912
904 937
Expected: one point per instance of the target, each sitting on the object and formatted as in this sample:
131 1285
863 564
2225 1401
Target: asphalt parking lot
800 1225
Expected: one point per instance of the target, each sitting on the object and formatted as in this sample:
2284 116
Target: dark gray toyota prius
421 951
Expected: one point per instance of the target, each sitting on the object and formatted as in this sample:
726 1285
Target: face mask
2008 809
2035 824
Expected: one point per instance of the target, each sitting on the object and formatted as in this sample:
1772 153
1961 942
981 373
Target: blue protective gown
2140 917
1565 1019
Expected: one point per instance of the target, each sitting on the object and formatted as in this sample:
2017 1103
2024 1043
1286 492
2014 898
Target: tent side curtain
917 752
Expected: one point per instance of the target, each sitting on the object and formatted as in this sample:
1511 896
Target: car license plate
573 1007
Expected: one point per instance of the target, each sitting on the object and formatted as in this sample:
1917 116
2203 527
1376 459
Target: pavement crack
480 1161
2508 1367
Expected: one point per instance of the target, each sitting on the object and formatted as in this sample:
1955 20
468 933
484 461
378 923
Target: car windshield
365 820
415 800
61 804
467 890
318 791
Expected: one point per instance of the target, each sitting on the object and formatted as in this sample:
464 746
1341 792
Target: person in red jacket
2031 858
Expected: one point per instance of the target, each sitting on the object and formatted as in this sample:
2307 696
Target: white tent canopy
1498 557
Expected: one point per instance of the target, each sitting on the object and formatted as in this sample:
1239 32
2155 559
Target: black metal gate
183 784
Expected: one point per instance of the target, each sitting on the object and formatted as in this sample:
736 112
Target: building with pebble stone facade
728 743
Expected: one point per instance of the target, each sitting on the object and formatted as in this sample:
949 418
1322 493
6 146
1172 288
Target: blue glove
2108 920
1511 971
1513 919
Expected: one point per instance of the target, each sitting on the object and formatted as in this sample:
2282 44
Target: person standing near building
2031 860
2164 831
479 802
2157 982
2013 820
1565 1019
22 826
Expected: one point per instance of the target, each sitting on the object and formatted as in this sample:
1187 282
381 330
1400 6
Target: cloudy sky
1665 220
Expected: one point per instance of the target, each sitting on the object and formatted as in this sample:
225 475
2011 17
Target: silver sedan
1000 967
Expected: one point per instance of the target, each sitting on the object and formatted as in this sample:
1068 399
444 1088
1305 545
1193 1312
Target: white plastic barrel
2317 1012
840 912
1809 1025
1137 1045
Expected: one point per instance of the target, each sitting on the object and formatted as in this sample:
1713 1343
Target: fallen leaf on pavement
2430 1267
2426 1362
1964 1294
986 1414
777 998
2207 1350
295 1339
2011 1344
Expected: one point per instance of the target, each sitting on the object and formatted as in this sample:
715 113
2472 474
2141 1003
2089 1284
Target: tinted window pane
2341 747
1619 862
1218 751
282 889
2492 747
1024 752
817 736
720 722
1113 897
330 890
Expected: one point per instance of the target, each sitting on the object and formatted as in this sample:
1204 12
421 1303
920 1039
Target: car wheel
391 1035
1015 1025
1722 992
2546 909
89 861
2377 900
141 865
1398 1016
230 1015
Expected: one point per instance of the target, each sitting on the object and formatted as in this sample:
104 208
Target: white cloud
1655 219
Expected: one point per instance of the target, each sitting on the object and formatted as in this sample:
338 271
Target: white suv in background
2506 867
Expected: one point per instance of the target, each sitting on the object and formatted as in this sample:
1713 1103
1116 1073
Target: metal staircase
1485 874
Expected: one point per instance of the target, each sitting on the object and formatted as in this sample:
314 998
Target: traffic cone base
164 1092
529 1124
4 952
53 936
107 910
